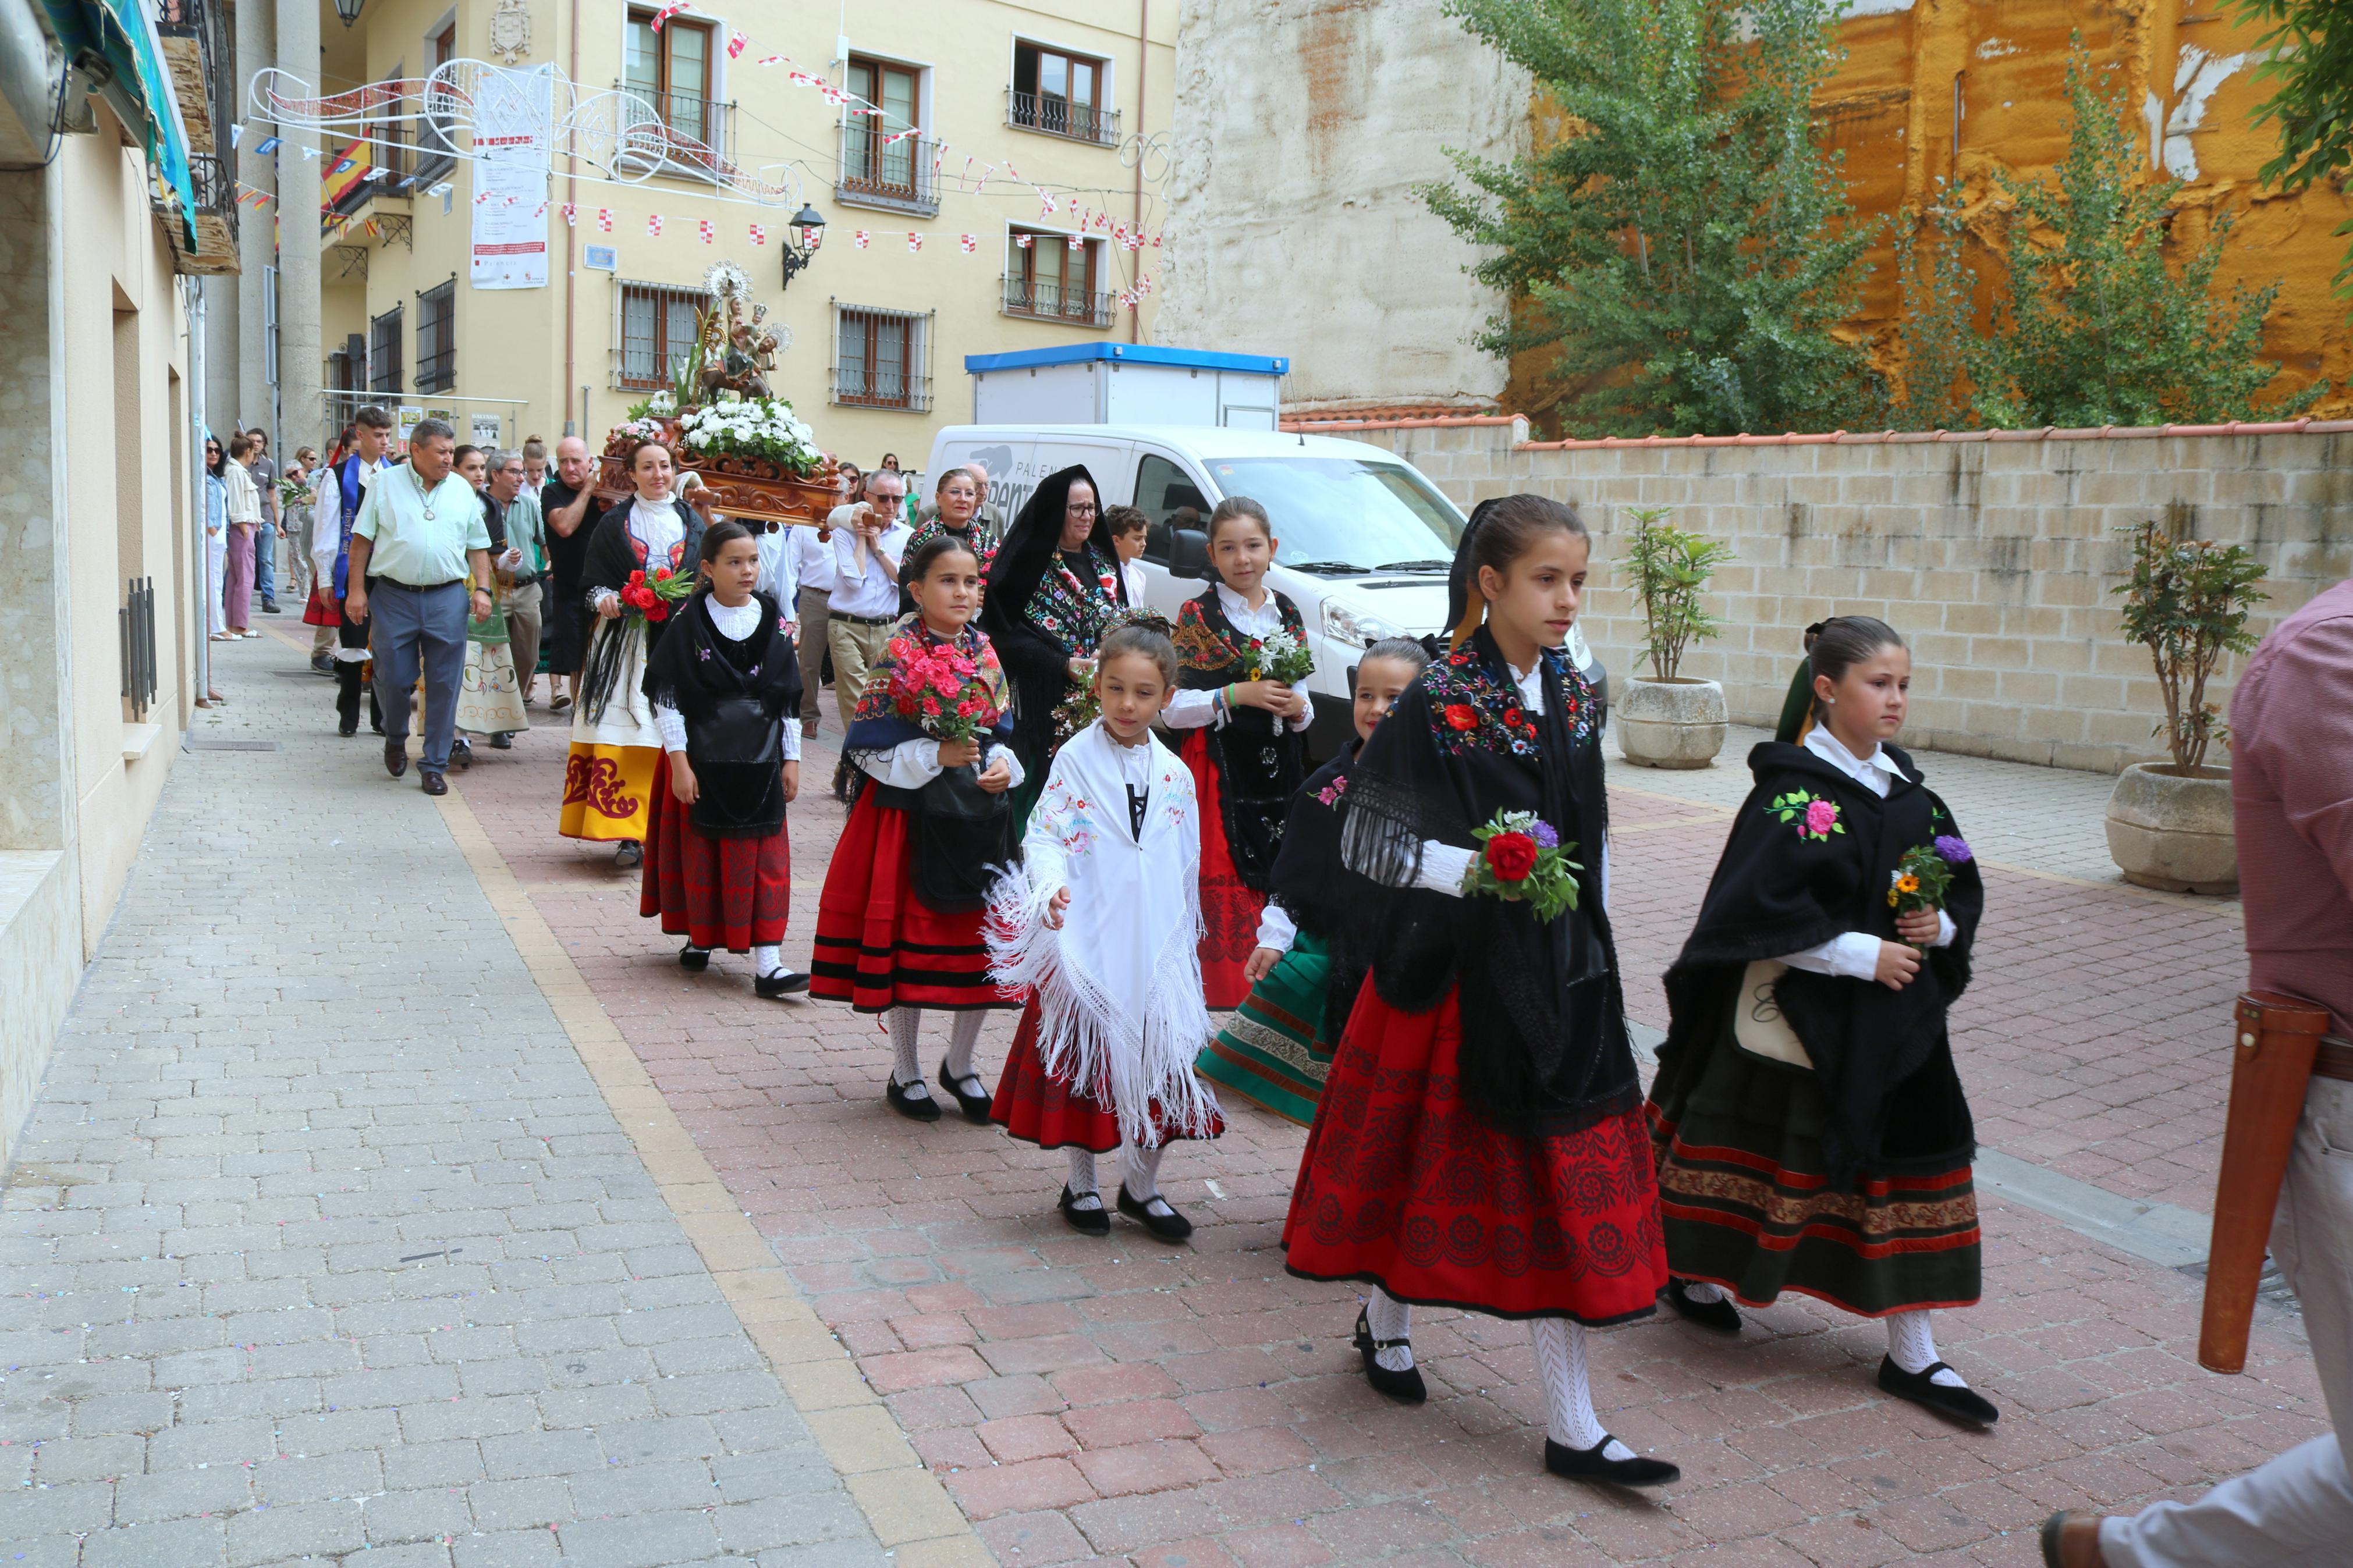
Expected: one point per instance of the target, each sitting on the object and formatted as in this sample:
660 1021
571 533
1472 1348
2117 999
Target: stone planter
2169 827
1676 723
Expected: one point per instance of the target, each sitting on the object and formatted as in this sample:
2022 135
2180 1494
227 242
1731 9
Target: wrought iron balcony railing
1057 302
1060 117
877 171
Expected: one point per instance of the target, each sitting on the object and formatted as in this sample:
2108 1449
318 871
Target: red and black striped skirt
879 945
1036 1108
1229 909
731 893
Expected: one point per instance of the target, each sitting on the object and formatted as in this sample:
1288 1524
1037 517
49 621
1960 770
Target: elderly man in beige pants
2292 788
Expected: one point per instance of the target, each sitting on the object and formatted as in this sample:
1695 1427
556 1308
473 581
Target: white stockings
768 959
1699 1290
1912 1346
1389 1318
963 1034
906 1071
1084 1193
1568 1395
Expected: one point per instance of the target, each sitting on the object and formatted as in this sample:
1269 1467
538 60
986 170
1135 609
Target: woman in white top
608 780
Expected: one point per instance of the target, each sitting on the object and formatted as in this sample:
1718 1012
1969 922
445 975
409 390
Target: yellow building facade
1064 95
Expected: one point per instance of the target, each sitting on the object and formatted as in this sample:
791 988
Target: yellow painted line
909 1510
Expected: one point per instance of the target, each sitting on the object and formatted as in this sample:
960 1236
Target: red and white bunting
703 225
571 214
1102 220
967 243
482 197
1025 240
678 8
604 219
541 210
1074 242
1046 196
858 238
653 223
759 234
772 61
914 241
897 136
735 43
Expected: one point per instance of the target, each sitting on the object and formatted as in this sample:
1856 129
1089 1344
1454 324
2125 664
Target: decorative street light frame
804 236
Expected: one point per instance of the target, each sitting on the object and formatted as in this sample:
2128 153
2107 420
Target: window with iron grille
671 68
384 352
881 358
1060 93
1051 279
657 331
437 338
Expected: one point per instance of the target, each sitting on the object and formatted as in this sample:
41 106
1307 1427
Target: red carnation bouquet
1522 859
649 597
939 689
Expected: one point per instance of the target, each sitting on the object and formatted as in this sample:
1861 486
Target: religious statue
736 353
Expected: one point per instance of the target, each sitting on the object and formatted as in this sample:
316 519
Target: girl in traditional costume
723 681
1812 1132
1277 1049
1097 927
1481 1142
899 922
608 780
1053 585
1244 726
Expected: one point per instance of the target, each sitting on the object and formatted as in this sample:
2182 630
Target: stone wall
1994 556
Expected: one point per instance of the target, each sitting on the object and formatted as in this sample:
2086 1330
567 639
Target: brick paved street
1079 1400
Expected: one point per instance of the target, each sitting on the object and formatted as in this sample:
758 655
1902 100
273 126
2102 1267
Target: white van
1363 540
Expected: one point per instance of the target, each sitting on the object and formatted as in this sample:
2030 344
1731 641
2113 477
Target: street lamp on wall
807 232
349 10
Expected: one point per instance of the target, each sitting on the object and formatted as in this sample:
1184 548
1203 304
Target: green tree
2308 50
1686 248
2092 326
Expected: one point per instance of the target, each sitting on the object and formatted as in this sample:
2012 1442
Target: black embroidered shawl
1545 1049
1786 883
1037 624
614 552
735 698
1260 759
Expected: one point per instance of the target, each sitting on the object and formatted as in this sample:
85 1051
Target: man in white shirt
812 576
339 489
868 542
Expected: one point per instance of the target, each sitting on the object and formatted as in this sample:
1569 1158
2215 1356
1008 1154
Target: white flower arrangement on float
764 430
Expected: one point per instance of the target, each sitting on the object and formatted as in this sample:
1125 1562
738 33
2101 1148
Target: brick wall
1992 556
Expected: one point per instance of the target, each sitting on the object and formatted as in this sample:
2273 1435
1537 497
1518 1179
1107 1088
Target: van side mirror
1188 553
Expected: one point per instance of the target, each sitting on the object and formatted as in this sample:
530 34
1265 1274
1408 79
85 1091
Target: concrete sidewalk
326 1242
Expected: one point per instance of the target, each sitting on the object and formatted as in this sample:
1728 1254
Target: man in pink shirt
2292 787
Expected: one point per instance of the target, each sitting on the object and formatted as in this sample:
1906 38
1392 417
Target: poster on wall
513 123
486 429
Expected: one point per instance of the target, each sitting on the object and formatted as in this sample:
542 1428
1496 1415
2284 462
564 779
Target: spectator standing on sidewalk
568 504
420 567
534 465
489 695
2292 791
521 569
811 550
244 523
273 520
869 541
216 549
298 513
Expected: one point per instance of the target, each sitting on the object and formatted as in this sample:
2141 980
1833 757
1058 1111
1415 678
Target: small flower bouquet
294 492
938 688
1925 874
650 595
1523 859
1279 656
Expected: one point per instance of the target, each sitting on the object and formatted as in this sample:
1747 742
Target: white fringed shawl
1121 1015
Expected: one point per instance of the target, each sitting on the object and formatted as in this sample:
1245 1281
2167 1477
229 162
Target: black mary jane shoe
915 1108
1096 1221
693 959
1168 1227
433 783
1966 1405
973 1106
1720 1315
1407 1385
1592 1464
783 982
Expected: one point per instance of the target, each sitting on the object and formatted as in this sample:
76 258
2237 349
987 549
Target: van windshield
1345 511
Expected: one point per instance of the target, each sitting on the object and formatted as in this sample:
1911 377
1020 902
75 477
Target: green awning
123 34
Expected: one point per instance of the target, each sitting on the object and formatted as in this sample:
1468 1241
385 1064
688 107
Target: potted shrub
1667 720
2187 602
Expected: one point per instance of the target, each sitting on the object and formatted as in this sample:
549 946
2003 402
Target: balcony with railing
694 135
1045 301
214 217
1062 117
876 172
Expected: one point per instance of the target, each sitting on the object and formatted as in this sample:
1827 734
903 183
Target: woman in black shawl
1810 1128
723 678
1054 582
1479 1143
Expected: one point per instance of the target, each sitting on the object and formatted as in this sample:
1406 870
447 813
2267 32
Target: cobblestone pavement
324 1246
1122 1400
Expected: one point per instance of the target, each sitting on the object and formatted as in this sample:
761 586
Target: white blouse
1854 955
1197 709
736 624
659 526
912 764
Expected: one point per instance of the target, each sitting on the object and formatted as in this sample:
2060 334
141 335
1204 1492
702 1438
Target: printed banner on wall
515 113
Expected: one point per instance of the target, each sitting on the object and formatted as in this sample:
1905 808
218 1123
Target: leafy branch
1671 567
